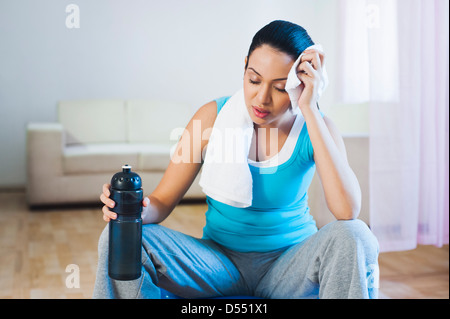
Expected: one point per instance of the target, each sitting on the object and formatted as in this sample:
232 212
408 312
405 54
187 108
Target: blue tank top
279 215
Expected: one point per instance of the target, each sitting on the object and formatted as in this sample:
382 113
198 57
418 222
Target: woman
271 249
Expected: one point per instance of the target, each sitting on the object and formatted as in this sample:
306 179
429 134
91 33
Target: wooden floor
37 246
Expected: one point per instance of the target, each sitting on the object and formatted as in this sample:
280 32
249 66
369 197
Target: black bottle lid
126 180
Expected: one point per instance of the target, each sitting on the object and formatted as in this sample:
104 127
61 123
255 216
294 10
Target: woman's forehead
270 63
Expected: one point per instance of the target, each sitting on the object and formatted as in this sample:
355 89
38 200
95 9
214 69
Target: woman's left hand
311 75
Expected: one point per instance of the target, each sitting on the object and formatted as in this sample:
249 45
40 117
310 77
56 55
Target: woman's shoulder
211 109
221 102
207 114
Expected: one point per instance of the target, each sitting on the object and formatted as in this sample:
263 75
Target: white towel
293 82
226 176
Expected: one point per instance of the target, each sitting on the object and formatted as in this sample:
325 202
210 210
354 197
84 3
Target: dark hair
283 36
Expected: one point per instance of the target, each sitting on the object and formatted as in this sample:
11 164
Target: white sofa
70 160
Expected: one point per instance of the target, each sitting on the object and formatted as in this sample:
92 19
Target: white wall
182 50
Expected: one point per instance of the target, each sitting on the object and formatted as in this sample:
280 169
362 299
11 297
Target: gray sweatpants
339 261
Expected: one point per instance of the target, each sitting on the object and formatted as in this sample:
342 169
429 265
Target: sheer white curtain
395 55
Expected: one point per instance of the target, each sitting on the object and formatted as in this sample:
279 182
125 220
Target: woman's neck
283 124
266 142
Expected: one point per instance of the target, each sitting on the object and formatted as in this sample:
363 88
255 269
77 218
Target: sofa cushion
98 158
154 157
153 121
93 121
109 157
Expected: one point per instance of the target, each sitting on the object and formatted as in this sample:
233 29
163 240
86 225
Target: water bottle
125 232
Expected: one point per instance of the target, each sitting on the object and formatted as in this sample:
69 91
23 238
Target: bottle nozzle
126 168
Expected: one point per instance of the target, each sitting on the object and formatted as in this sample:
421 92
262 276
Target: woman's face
264 81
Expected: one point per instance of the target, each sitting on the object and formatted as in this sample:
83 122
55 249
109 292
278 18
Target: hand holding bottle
109 204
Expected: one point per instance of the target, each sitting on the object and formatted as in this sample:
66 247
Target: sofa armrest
45 141
42 127
44 149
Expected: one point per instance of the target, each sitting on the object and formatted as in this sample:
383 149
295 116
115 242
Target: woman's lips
260 112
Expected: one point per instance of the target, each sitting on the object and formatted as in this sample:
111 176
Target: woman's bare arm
180 173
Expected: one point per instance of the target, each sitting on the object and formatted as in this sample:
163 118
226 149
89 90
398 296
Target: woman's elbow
347 211
347 215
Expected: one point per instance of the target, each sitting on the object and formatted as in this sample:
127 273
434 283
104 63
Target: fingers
306 69
315 57
319 56
104 197
109 203
106 190
146 204
107 214
311 64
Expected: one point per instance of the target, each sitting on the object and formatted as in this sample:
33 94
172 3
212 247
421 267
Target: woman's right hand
147 211
109 203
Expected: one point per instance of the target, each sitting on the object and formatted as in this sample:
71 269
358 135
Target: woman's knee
353 232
